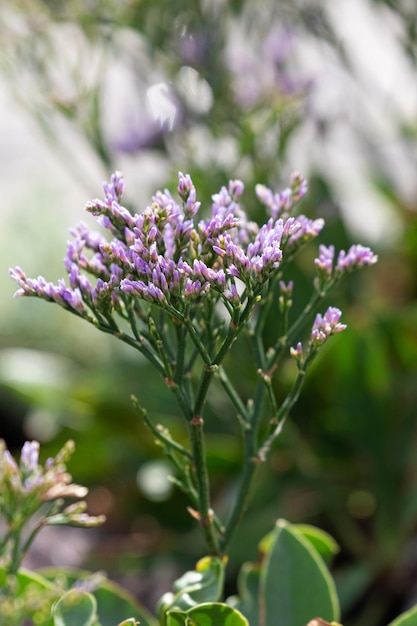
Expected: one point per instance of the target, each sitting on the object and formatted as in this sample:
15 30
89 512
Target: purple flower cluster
357 256
25 485
168 257
326 325
323 327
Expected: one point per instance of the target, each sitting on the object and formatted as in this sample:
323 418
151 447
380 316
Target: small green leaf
113 602
295 584
75 608
409 618
207 614
324 543
248 587
204 584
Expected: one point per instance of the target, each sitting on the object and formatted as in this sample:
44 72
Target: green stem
141 347
160 434
197 341
237 323
204 515
282 414
284 342
251 463
232 393
181 342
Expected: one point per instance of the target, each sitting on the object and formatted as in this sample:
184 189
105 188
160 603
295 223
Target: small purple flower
299 186
185 185
324 262
114 189
277 203
326 325
232 294
286 289
297 352
303 230
30 455
281 204
357 256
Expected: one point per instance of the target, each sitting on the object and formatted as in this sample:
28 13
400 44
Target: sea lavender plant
181 289
33 496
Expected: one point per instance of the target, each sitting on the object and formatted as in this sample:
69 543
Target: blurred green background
220 90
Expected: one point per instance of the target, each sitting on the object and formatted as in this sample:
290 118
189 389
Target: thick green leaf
204 584
207 614
248 587
295 583
113 602
409 618
75 608
324 543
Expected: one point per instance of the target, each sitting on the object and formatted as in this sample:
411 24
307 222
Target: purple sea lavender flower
160 256
225 202
71 297
29 456
211 229
299 186
324 262
187 193
214 277
297 352
114 189
303 230
103 294
148 292
280 204
275 202
232 294
285 297
357 256
195 288
326 325
255 264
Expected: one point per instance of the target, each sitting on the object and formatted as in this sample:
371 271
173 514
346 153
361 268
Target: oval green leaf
204 584
295 585
75 608
324 543
248 588
207 614
113 602
409 618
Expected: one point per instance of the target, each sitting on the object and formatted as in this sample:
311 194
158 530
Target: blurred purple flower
326 325
260 71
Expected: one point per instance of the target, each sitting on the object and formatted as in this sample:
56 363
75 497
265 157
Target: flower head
163 257
171 257
326 325
357 256
26 484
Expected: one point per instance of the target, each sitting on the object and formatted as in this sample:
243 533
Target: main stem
251 463
204 515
